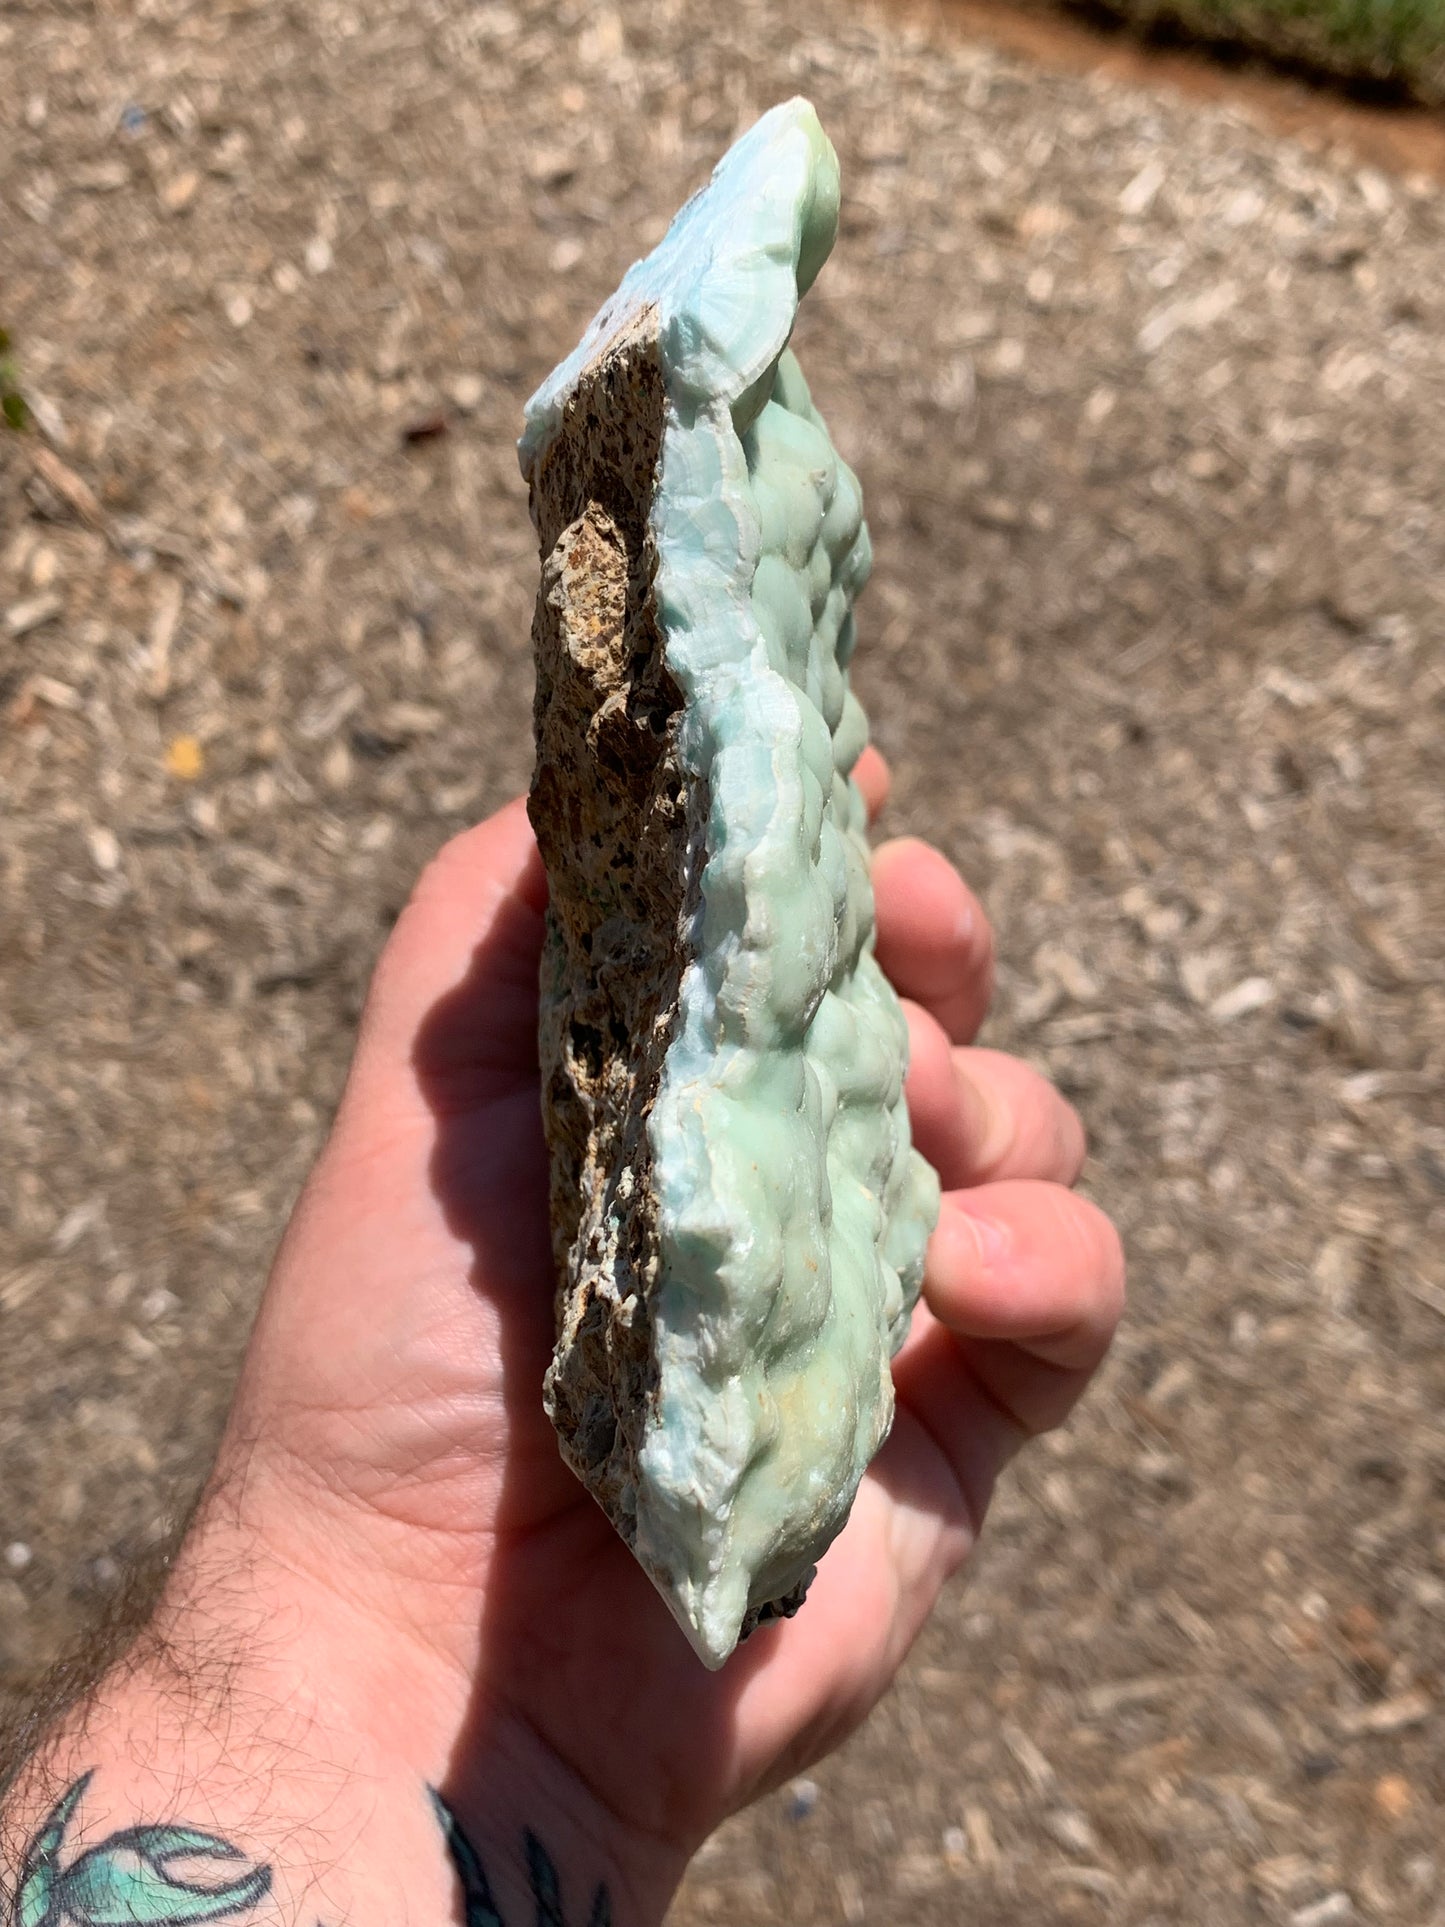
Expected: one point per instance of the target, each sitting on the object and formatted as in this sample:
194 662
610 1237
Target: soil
1148 401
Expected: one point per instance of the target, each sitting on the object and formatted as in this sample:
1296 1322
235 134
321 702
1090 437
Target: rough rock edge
619 823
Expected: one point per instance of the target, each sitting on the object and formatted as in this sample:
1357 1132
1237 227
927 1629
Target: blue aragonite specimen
738 1215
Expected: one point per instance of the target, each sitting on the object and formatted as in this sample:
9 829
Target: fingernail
993 1239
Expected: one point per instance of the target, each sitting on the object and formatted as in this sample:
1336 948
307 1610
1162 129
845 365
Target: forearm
259 1757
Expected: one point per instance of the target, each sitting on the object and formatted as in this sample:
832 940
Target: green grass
1386 46
13 411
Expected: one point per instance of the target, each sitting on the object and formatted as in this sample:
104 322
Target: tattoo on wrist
148 1876
478 1906
175 1875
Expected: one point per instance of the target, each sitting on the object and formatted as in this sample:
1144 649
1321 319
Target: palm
404 1340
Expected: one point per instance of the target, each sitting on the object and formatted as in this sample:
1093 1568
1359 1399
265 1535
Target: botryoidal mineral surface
738 1215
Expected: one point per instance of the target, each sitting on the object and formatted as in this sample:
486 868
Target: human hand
448 1590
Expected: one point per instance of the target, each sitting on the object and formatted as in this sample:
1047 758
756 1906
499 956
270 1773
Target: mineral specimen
738 1215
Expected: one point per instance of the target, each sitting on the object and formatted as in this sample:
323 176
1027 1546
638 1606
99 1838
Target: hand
457 1592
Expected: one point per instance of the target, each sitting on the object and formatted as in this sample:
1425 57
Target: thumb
453 1002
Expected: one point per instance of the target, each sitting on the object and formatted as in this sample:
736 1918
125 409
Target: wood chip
981 1843
1036 1769
1243 1000
164 623
1102 1701
1395 1715
23 617
1332 1911
76 494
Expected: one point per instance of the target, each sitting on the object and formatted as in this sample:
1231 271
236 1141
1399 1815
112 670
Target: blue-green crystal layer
792 1210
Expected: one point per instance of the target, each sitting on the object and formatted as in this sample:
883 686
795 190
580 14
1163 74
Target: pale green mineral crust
739 1218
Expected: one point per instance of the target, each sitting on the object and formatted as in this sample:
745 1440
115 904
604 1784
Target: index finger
934 942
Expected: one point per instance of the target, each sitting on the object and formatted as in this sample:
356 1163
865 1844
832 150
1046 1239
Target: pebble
178 192
1005 358
1393 1796
466 392
203 815
18 1555
104 848
319 256
802 1799
1420 1872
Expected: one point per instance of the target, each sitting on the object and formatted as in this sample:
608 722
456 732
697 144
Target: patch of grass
1382 47
13 407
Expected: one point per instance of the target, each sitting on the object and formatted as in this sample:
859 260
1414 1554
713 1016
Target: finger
874 778
1022 1293
1029 1279
934 941
973 1437
462 961
979 1114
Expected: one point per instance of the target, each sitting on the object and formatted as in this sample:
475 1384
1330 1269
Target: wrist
276 1591
223 1751
530 1823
